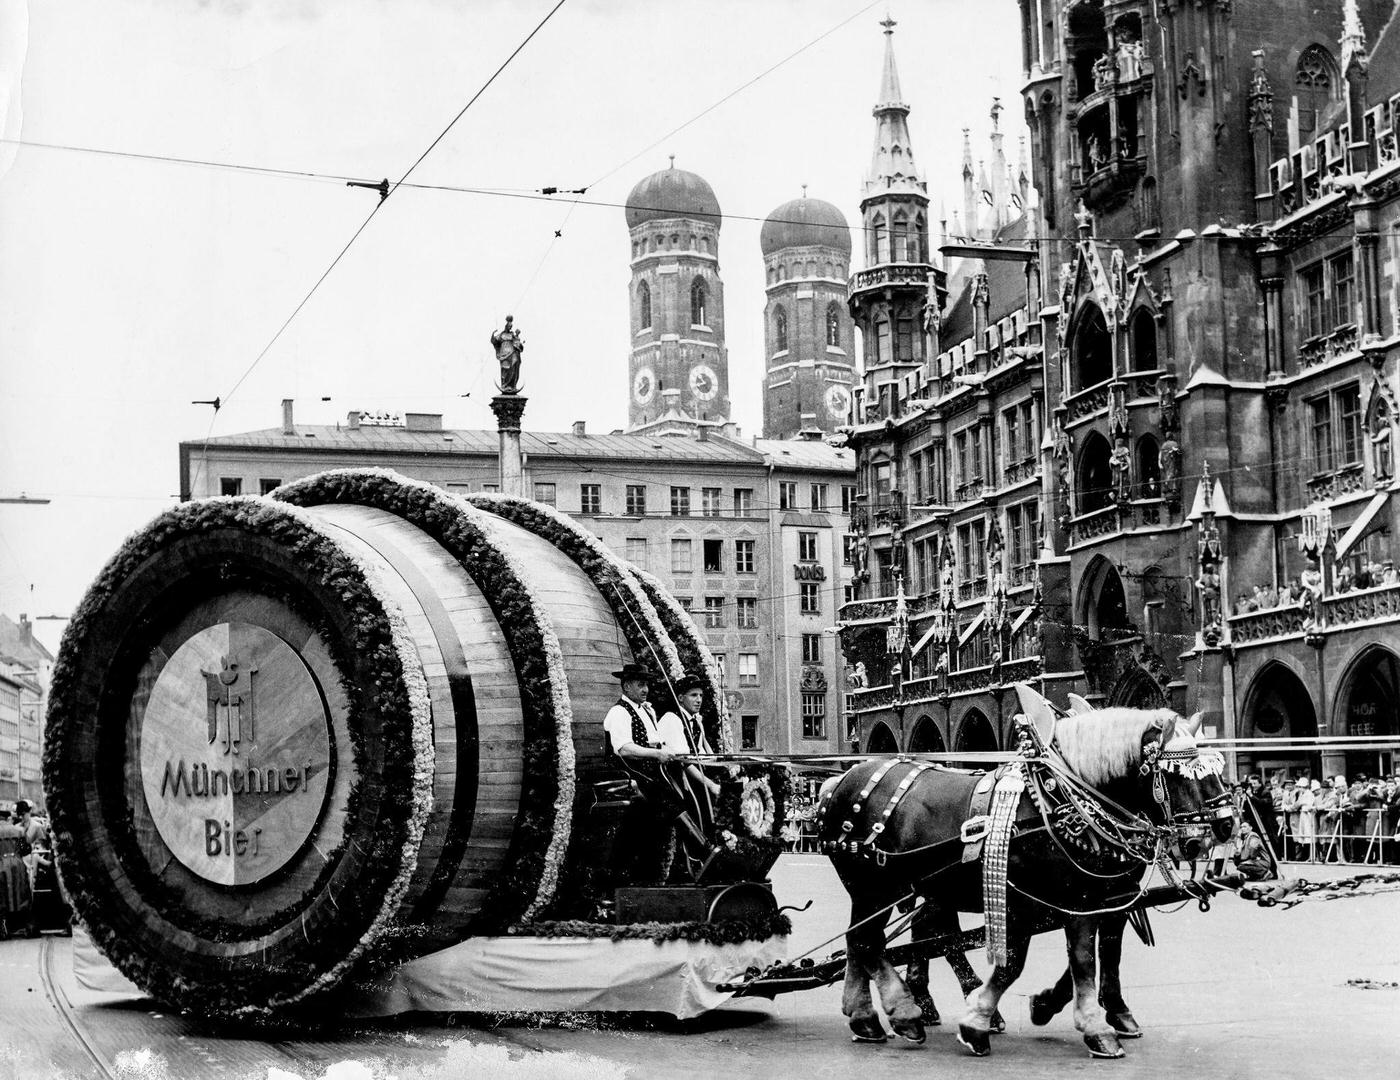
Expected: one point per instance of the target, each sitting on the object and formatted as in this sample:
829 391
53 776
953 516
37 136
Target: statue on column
509 346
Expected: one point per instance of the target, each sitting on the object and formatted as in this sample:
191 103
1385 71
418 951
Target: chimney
579 428
288 428
352 418
422 421
26 630
704 435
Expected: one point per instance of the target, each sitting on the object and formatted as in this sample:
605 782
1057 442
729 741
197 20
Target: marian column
509 406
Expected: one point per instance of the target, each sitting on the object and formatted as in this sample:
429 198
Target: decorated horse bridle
1194 764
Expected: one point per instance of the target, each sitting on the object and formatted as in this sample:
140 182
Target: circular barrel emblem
235 753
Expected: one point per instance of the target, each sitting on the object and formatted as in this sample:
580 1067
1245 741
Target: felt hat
688 683
632 671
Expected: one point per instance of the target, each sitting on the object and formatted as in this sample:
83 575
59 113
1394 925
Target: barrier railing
1357 837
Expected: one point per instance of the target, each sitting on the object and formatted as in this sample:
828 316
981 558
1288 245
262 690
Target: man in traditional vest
683 732
634 736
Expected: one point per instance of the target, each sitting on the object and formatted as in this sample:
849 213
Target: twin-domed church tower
679 368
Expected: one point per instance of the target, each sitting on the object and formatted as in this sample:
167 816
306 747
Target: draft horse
1097 799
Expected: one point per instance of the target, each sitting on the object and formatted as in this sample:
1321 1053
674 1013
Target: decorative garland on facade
372 637
541 837
722 932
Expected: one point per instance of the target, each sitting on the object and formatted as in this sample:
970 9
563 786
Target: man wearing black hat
634 735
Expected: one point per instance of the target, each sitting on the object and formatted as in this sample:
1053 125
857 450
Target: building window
546 493
848 499
636 550
644 305
814 716
743 556
819 498
849 594
680 502
807 546
1328 291
1020 434
1336 429
685 602
1091 349
268 484
811 648
780 337
590 498
748 669
746 608
230 485
748 732
810 601
636 500
698 301
1313 88
848 549
709 501
833 324
905 340
714 612
714 556
490 489
743 502
1022 526
787 495
882 341
972 551
680 557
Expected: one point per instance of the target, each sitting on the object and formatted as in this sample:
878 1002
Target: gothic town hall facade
1136 442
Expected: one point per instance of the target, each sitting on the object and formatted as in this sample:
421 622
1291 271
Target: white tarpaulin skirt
532 974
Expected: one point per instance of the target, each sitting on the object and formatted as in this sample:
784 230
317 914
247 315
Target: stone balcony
1316 351
966 681
1341 611
1086 403
879 277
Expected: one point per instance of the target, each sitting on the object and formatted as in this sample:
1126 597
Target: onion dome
672 193
802 223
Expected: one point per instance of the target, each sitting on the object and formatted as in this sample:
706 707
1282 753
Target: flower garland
747 854
721 932
363 639
530 879
681 628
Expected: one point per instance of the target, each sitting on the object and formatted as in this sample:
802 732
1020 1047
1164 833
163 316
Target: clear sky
130 288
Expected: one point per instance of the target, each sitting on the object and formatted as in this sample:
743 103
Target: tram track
64 1009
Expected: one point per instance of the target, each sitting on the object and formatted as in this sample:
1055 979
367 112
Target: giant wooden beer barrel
286 734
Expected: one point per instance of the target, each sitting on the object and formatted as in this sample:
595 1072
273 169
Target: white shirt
618 725
673 737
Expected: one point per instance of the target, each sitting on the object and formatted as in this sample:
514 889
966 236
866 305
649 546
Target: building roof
805 454
1384 69
373 439
1006 289
805 222
20 646
672 193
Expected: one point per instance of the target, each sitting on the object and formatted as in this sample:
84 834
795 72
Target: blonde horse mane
1106 744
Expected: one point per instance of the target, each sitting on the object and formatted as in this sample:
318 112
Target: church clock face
643 386
704 383
838 402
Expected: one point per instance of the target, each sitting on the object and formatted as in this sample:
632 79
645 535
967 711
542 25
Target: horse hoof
1103 1046
998 1024
909 1030
929 1010
1042 1009
979 1042
867 1031
1125 1025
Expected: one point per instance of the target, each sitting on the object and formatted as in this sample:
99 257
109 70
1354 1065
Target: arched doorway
1138 690
1094 475
975 735
1279 706
927 739
1103 606
1367 706
882 741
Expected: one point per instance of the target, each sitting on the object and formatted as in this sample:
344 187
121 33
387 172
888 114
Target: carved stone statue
509 346
1120 461
1129 61
1169 462
1104 71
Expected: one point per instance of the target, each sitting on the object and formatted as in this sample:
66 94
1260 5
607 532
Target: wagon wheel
748 900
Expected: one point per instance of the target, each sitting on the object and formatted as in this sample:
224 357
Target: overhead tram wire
384 198
541 195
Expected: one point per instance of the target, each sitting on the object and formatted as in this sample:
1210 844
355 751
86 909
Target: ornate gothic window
879 240
1143 331
901 238
780 337
1091 351
698 302
1315 87
644 305
833 323
1149 468
1094 490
